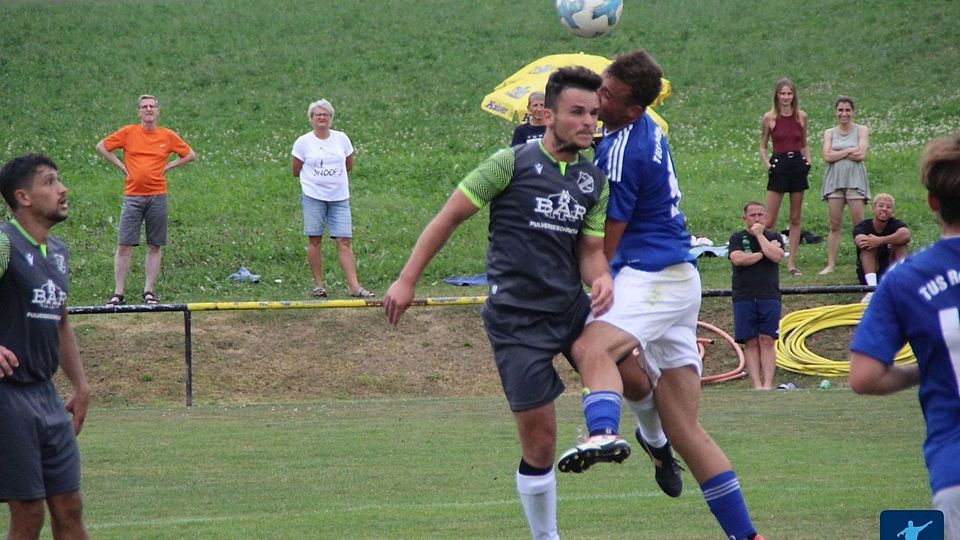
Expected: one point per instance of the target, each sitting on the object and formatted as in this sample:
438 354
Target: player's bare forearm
611 238
595 272
73 369
870 376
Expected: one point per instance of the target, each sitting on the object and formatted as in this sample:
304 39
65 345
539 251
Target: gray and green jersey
33 295
538 209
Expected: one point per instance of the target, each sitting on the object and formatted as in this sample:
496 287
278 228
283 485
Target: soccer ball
589 18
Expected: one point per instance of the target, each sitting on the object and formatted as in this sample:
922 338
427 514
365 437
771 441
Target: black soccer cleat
666 468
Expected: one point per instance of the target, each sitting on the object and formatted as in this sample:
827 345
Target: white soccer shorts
660 309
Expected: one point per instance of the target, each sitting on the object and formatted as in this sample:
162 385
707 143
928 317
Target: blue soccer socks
601 410
725 500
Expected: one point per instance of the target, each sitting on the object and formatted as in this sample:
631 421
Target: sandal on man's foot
360 292
319 292
115 300
149 298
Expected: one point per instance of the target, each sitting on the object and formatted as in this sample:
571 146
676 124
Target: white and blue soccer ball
589 18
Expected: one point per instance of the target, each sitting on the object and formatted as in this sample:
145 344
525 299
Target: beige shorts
848 194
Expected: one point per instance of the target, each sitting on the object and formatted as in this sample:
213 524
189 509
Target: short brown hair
940 174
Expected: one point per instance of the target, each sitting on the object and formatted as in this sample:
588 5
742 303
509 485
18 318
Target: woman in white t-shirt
321 159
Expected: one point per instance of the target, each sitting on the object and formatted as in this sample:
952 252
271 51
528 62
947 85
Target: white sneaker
866 298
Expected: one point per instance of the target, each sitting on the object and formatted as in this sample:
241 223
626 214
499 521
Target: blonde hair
878 196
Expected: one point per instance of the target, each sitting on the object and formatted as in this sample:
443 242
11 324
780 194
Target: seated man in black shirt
881 241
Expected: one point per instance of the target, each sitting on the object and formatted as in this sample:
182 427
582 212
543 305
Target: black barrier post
187 359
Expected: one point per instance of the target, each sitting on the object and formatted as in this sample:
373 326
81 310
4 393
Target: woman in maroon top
787 169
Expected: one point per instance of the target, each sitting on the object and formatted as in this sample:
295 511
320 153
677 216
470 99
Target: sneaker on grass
596 449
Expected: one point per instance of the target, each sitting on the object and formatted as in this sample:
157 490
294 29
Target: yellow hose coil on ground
793 354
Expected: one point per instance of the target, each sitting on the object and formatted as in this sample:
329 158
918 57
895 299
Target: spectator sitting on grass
881 241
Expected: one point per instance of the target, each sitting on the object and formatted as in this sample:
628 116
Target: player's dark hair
18 172
843 99
940 174
640 72
569 77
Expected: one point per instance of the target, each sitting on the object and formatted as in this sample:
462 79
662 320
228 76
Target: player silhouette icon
910 532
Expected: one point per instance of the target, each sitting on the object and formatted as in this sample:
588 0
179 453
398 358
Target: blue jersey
917 302
645 194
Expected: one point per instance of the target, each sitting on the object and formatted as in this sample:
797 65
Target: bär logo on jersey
49 296
561 207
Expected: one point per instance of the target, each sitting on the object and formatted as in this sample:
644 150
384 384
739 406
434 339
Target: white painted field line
360 508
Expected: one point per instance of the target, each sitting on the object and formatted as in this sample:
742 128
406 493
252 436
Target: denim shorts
333 215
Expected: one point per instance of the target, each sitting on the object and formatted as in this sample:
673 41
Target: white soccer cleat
596 449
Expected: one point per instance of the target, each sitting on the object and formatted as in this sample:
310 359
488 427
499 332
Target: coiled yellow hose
793 354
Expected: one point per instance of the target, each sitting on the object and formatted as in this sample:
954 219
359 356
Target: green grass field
406 78
813 464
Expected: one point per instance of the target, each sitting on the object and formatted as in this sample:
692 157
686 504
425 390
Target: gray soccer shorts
524 344
39 456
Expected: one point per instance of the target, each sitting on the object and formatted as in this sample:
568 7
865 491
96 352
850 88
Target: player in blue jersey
919 303
547 207
656 297
39 459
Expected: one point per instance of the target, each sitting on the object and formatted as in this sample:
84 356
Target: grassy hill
234 79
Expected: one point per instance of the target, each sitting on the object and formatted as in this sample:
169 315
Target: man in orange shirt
146 149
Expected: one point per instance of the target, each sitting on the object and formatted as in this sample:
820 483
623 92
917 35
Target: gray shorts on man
138 211
40 456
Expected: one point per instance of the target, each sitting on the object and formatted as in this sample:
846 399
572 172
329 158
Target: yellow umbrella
509 99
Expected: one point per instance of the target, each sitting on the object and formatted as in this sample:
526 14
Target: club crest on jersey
49 296
60 262
585 182
561 207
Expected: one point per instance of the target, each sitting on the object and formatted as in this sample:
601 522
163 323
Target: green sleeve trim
596 219
490 178
4 253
